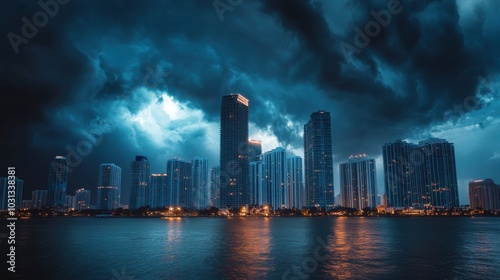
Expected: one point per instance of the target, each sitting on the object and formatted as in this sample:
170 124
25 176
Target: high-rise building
254 150
71 202
234 188
357 182
215 187
158 191
275 179
39 199
139 189
255 180
5 195
440 172
484 194
295 182
82 197
58 180
109 186
318 160
179 187
199 179
418 175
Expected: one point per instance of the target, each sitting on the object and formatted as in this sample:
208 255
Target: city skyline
157 93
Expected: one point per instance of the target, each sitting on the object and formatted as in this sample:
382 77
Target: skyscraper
256 177
275 179
139 189
357 182
109 186
158 191
440 172
58 180
484 194
234 187
418 175
82 197
254 150
215 187
39 199
179 187
70 202
318 160
5 196
199 179
295 182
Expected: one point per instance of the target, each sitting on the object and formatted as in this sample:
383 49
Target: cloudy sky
148 77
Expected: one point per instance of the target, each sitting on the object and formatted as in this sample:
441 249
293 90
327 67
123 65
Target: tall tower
58 181
318 160
275 189
179 187
295 182
256 177
199 179
357 182
441 172
158 191
215 187
234 187
109 186
139 189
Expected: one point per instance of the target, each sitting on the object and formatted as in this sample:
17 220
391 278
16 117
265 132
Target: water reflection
247 248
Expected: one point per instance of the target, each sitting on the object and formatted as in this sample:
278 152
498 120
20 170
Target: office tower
295 182
158 191
358 183
418 175
5 195
254 150
400 175
70 202
255 180
440 172
139 189
484 194
82 197
318 160
234 187
109 186
39 199
58 180
215 187
199 179
179 186
275 179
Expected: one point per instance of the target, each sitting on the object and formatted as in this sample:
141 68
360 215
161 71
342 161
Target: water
259 248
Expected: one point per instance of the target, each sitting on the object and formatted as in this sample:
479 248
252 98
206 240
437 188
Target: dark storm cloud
89 61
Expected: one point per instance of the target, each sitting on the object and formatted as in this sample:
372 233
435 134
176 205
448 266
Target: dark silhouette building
140 177
318 160
58 181
234 185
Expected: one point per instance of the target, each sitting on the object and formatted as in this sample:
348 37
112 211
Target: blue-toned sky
150 76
